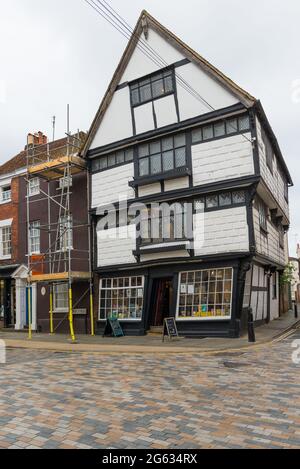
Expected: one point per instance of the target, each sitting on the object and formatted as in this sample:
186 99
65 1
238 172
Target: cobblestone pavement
238 400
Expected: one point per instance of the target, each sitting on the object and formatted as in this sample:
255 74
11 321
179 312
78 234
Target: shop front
203 298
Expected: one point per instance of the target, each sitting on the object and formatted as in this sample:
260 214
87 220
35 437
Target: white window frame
206 318
122 288
3 191
63 309
37 227
3 225
34 187
65 233
65 182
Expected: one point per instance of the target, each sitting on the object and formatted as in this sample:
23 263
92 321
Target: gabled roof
216 74
57 149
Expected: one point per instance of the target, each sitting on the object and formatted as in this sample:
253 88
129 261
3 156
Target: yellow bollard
51 312
92 315
71 315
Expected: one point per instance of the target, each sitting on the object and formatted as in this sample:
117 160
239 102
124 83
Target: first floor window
167 222
34 237
6 241
121 298
60 297
205 294
161 156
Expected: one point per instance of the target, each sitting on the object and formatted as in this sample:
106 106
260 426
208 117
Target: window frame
32 238
55 298
173 224
2 242
160 153
7 189
149 80
269 153
103 159
65 232
130 287
206 318
226 123
263 216
34 189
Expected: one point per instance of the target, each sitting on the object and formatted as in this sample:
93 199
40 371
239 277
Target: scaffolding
49 162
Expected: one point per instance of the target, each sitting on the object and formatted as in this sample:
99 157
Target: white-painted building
177 130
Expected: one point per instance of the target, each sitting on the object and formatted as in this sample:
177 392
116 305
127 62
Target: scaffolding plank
57 277
51 168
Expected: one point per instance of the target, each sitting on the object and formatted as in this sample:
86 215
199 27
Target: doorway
160 306
7 303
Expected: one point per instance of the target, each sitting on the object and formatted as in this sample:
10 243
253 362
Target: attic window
156 86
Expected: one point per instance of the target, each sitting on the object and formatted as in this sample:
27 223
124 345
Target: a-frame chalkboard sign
170 329
113 328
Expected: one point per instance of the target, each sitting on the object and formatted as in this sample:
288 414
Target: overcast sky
55 52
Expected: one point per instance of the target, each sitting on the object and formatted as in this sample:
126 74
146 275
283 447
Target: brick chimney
38 138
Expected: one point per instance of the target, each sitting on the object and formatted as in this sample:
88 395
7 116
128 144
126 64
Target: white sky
55 52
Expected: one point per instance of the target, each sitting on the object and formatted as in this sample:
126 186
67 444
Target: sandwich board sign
170 328
113 328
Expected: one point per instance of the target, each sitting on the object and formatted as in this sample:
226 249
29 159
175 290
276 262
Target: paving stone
151 400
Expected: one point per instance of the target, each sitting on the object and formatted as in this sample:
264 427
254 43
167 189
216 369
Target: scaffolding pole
56 262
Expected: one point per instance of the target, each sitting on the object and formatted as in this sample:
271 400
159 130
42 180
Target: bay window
165 222
205 294
162 156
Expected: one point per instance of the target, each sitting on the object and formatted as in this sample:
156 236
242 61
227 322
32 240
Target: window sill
124 320
213 318
3 202
183 245
5 258
143 181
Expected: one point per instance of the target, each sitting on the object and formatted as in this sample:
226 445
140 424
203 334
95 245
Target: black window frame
218 205
151 154
263 216
281 236
150 81
101 163
228 129
268 151
161 240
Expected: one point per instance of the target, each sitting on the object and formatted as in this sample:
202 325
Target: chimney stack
36 139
